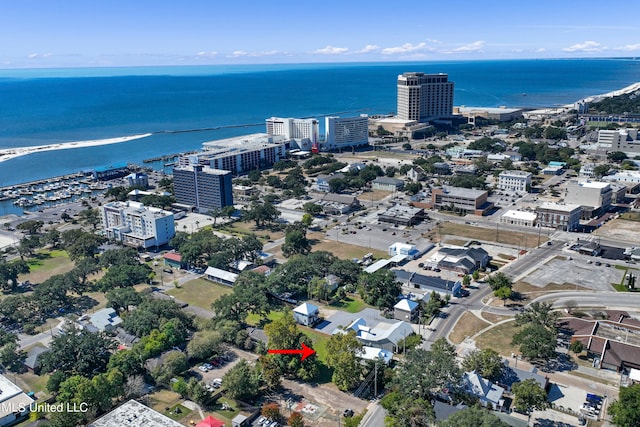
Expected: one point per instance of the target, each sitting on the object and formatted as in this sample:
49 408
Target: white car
203 368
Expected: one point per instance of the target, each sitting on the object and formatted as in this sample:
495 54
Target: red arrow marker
305 352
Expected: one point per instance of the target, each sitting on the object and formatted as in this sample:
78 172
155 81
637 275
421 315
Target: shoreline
618 92
12 153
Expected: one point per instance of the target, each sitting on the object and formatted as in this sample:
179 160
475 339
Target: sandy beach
595 98
12 153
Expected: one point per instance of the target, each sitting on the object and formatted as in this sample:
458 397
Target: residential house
487 393
374 353
174 260
222 277
323 181
406 310
416 174
385 335
105 320
32 361
512 375
306 314
461 260
429 284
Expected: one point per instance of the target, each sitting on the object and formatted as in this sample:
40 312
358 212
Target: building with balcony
561 217
136 225
304 132
202 187
345 132
423 97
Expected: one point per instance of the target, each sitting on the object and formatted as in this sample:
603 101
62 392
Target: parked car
203 368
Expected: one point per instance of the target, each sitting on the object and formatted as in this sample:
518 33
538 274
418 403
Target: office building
202 187
424 97
625 140
561 217
346 132
514 181
526 219
304 132
136 225
461 199
594 197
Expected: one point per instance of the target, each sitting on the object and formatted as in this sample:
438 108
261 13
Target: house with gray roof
462 260
484 390
406 310
105 320
306 314
385 183
384 335
428 284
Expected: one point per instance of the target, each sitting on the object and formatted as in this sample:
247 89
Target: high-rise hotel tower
423 97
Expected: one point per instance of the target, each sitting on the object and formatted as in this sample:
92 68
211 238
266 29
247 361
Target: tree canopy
626 410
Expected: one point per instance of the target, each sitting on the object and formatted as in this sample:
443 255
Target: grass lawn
514 238
351 304
340 249
226 415
257 320
494 318
29 381
631 216
45 263
499 339
171 413
200 292
524 287
467 326
374 195
162 399
320 346
240 228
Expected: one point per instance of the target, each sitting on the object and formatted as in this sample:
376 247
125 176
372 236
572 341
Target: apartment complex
594 197
136 225
243 153
305 132
561 217
461 199
346 132
423 97
514 180
202 187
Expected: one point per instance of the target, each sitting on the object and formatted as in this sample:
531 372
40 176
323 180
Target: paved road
374 416
610 300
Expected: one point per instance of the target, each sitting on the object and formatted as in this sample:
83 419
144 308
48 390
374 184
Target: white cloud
238 53
265 53
212 54
39 55
405 48
587 46
331 50
629 47
369 48
540 50
471 47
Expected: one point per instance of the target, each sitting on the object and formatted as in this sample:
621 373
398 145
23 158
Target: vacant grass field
320 346
240 228
499 339
340 249
29 381
494 318
373 195
468 325
44 264
525 288
257 320
514 238
200 292
631 216
225 415
351 304
162 399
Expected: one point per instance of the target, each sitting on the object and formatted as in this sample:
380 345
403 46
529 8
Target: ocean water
61 105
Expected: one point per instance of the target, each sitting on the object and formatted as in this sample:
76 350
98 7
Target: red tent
210 422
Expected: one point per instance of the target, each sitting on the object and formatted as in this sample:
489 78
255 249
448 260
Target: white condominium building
424 97
343 132
305 132
514 180
134 224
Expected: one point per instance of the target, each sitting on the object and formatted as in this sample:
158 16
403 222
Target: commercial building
401 215
561 217
397 127
423 97
625 140
461 199
138 179
502 114
514 180
133 413
461 260
630 179
428 284
385 183
527 219
220 276
242 154
14 403
202 187
304 132
406 310
345 132
593 196
136 225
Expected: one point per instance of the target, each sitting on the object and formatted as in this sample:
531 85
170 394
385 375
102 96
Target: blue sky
62 33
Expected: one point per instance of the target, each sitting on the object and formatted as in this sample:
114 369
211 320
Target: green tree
122 298
529 396
261 213
12 357
242 381
486 362
90 217
31 226
342 350
540 313
473 416
380 288
312 208
576 347
9 272
625 411
295 420
295 242
204 344
504 293
536 342
499 280
616 156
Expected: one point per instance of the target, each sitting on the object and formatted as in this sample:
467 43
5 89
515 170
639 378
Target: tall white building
514 180
424 97
305 132
625 140
341 132
593 196
136 225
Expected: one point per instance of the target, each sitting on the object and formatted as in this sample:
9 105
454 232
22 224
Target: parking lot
580 270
